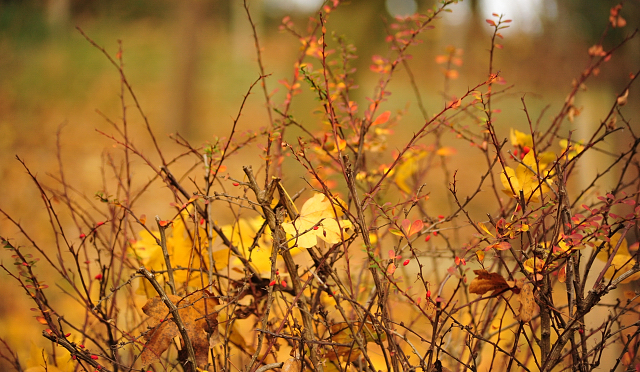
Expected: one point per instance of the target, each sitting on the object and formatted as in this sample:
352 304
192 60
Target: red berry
406 262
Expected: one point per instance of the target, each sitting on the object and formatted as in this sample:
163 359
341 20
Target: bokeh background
191 61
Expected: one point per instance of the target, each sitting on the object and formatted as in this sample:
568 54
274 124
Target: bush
369 273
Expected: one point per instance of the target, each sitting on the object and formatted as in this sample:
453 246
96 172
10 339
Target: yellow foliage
622 262
243 233
407 169
39 358
526 180
573 149
520 138
318 220
183 253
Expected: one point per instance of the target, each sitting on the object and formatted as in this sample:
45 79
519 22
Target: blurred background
191 61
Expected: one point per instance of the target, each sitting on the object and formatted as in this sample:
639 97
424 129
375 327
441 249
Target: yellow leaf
573 149
480 255
622 261
484 228
38 358
318 220
536 265
520 139
243 233
234 334
183 253
407 169
525 180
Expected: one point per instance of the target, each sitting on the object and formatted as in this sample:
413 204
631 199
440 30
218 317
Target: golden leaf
407 169
183 252
318 220
485 229
622 262
520 138
38 358
524 179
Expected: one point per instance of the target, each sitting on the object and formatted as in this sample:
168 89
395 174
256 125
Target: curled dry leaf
197 312
527 303
292 365
622 100
486 281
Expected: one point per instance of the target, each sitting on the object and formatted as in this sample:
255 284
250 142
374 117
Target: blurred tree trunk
241 33
58 12
190 18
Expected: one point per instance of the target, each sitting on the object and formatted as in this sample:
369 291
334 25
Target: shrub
508 271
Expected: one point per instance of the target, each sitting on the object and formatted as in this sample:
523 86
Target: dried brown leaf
622 100
198 314
527 303
292 365
486 281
